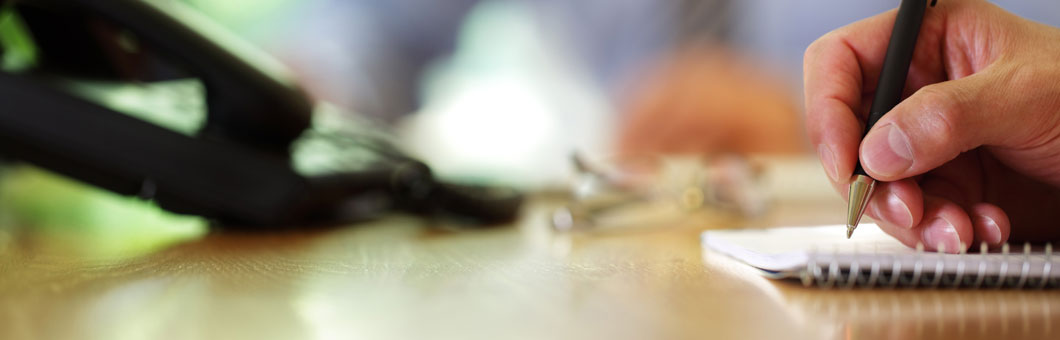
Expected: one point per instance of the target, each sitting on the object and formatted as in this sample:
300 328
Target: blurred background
506 91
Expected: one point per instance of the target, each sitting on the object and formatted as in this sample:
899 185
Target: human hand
973 153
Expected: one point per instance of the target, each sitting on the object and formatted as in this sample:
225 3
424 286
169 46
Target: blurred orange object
709 100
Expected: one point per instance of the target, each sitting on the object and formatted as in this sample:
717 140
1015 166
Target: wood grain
402 278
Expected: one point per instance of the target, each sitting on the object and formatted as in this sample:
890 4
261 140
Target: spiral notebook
822 256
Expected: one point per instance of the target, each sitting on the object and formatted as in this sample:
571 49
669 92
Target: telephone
236 165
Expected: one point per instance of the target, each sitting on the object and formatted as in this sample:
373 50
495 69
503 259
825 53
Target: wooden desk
400 278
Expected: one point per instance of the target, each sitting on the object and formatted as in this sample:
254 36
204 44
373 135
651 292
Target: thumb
933 126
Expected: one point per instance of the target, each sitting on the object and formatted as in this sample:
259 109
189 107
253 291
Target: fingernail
993 232
886 151
895 211
941 232
828 161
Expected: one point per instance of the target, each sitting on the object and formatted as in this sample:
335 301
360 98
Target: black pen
888 94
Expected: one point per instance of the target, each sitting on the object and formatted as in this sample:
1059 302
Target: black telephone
236 168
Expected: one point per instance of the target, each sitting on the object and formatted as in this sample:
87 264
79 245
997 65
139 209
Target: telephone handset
249 99
236 167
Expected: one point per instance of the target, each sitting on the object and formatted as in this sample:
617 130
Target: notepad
822 256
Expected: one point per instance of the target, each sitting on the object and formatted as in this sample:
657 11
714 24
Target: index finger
839 70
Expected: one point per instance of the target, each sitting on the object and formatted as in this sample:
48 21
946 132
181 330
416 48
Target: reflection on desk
402 278
934 313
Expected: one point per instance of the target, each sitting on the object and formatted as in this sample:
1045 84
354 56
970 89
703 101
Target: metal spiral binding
1047 270
981 275
940 267
830 273
1004 269
896 272
959 276
1026 270
918 268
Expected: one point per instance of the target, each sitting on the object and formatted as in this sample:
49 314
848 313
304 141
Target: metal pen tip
861 188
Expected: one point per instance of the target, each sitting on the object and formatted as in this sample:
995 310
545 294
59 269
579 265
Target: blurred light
87 220
241 12
5 241
17 50
498 122
506 107
221 35
178 105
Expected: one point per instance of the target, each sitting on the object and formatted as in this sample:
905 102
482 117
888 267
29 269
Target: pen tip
861 188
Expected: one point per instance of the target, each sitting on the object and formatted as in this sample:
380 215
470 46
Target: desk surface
401 278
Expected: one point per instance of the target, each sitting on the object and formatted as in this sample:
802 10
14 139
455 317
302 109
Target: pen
888 94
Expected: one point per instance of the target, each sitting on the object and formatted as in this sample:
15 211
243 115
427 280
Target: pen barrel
895 63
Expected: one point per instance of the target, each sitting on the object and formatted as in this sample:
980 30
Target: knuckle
817 47
812 50
1032 101
1021 77
944 111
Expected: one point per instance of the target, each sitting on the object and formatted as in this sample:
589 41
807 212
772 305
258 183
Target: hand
973 153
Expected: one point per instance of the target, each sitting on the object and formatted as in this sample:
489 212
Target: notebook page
786 249
784 252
